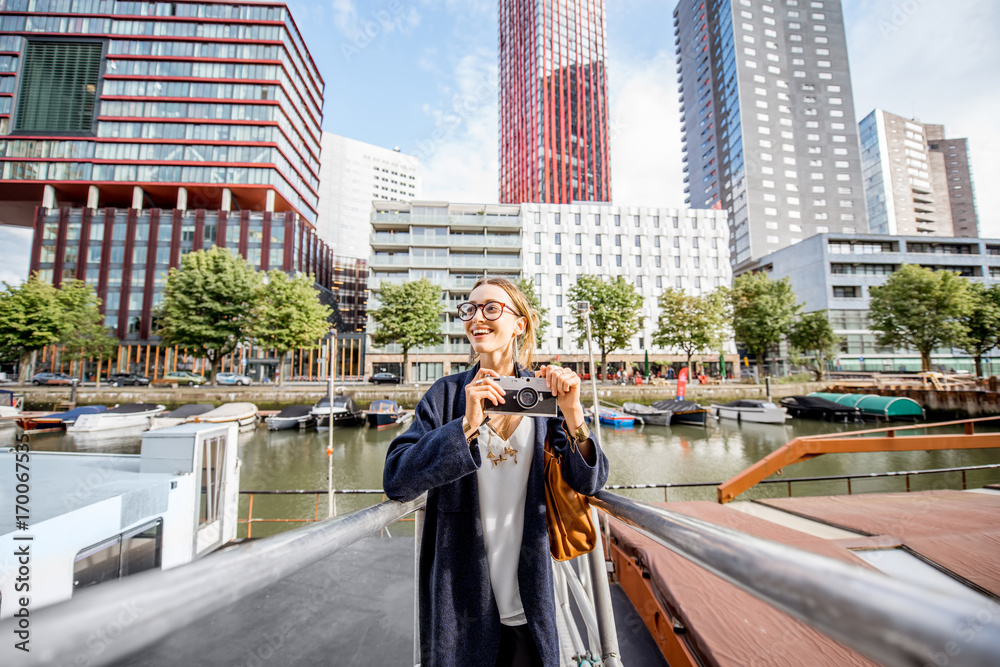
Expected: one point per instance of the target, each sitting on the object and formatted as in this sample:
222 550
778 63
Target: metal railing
892 622
251 520
849 478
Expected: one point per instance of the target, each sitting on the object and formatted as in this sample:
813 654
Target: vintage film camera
525 396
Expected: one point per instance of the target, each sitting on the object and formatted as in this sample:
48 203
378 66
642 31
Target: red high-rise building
553 102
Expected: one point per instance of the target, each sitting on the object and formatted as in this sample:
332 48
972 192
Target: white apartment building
353 174
553 245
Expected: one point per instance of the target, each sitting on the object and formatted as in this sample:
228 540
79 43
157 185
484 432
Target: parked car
233 378
384 378
183 377
53 378
126 379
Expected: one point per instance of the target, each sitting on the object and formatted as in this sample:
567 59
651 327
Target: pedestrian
485 573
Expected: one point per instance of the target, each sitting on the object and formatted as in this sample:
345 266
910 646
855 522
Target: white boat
10 408
102 517
180 415
128 415
750 410
245 414
292 417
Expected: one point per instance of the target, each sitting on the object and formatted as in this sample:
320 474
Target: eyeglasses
492 310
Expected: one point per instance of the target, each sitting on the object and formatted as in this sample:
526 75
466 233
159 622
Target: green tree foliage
208 304
615 316
982 323
763 312
409 315
85 336
920 309
813 334
31 317
288 314
694 324
527 287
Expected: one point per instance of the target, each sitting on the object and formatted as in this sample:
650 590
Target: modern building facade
834 272
552 245
769 133
352 175
553 102
916 180
132 133
201 105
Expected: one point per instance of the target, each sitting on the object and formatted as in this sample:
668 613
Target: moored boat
57 421
180 415
292 417
127 415
648 413
816 407
345 412
616 418
384 413
750 410
245 414
683 412
874 406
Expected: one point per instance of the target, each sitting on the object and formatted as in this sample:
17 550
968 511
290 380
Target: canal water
287 460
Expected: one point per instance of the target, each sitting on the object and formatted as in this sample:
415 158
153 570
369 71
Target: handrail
892 622
167 600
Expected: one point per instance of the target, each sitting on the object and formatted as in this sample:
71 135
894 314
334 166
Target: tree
31 318
409 315
615 316
208 304
527 288
920 309
982 323
86 336
812 333
694 324
763 312
288 314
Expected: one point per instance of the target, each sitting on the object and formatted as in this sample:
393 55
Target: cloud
16 256
646 166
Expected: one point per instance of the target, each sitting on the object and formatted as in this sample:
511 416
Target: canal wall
269 397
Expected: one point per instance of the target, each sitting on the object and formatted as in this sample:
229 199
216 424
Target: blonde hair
526 341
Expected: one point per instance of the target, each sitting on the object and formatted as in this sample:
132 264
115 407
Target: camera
525 396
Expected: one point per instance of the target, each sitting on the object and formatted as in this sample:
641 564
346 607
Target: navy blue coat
459 621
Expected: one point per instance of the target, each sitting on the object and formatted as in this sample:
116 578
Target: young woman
485 574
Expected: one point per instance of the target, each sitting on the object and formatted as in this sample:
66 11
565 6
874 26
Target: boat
816 407
384 413
56 421
874 406
181 414
750 410
649 414
127 415
345 412
245 414
292 417
683 412
616 418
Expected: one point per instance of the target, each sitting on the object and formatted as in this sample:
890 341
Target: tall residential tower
768 120
916 181
553 102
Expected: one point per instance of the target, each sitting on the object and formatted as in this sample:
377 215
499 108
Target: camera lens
527 397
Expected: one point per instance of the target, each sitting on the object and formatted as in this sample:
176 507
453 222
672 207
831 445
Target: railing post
602 602
418 531
250 517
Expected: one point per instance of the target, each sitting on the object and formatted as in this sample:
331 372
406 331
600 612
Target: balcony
400 259
390 238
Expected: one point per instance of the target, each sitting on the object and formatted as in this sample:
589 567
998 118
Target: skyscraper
768 120
553 102
916 181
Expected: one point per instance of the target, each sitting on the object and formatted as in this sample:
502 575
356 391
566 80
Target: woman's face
487 335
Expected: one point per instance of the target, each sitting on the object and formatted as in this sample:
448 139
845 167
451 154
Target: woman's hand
483 388
565 384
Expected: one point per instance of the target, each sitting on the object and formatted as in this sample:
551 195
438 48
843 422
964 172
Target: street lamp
583 307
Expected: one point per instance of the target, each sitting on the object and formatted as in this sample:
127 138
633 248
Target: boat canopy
190 410
384 405
889 407
294 411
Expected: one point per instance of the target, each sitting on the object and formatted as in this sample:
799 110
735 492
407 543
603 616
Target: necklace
508 453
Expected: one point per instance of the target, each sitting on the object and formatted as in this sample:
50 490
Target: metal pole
584 307
418 531
607 630
331 503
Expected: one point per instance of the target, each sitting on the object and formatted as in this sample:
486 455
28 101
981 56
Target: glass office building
553 102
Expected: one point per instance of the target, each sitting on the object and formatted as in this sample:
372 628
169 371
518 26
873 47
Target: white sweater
502 489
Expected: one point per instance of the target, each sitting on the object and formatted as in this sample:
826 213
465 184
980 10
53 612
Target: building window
638 260
558 280
638 241
618 220
579 260
597 239
576 218
558 300
538 238
846 291
558 238
618 260
638 283
657 258
576 239
538 259
555 217
597 260
59 87
558 259
559 321
618 239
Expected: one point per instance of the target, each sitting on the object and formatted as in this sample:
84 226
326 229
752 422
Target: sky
421 75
